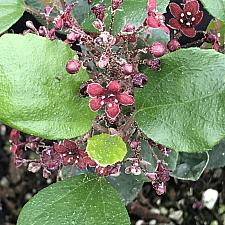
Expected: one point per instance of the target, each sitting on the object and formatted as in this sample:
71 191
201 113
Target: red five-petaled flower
185 19
110 97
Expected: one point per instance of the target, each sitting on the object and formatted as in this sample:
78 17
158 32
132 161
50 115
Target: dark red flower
68 152
154 19
50 159
72 154
110 97
185 19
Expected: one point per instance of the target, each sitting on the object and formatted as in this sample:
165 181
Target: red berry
157 49
154 64
173 45
73 66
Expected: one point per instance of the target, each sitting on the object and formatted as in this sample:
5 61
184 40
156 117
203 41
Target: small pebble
177 216
163 211
155 211
152 222
209 198
4 182
214 222
140 222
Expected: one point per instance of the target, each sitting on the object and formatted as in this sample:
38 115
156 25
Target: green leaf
37 95
217 156
127 186
183 105
10 12
79 200
81 10
130 11
190 166
215 8
106 149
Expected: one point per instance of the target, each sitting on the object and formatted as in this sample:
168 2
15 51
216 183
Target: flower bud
173 45
128 68
103 62
157 49
116 4
34 167
73 66
154 64
211 37
129 28
72 37
59 23
98 24
139 80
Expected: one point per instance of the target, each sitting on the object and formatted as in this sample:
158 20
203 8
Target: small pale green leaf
183 105
106 149
130 11
37 95
215 8
190 166
217 156
10 12
79 200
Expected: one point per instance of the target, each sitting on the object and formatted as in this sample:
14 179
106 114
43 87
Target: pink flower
185 19
110 97
154 19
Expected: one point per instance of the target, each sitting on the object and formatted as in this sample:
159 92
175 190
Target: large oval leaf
10 12
37 95
130 11
79 200
183 105
106 149
215 8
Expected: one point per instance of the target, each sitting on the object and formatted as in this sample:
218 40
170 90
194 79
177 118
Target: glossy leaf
183 105
106 149
215 8
37 95
127 186
10 12
190 166
217 156
79 200
130 11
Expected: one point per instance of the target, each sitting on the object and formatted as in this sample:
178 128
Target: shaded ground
180 205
